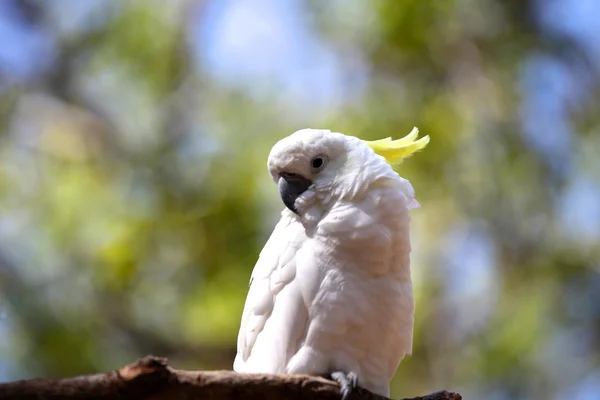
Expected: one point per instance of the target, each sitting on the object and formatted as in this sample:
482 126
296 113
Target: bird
331 293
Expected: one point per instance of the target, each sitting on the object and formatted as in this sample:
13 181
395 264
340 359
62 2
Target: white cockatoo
331 293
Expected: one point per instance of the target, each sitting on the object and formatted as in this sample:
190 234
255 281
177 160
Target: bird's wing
275 316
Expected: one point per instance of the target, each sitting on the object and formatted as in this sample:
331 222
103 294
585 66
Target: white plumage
332 290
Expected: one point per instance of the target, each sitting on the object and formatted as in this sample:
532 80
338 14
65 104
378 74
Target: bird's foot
348 382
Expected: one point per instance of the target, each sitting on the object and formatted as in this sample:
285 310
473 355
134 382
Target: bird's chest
331 273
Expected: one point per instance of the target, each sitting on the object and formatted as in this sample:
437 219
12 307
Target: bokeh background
134 196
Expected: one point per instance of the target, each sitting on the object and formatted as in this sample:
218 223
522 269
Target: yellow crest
394 151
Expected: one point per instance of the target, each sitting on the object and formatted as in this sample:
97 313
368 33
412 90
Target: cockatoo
331 293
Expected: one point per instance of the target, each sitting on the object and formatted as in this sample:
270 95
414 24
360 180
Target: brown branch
152 379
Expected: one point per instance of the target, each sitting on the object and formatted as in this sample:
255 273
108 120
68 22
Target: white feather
269 326
332 289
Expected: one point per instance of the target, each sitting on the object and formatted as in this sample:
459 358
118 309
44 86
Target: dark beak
290 187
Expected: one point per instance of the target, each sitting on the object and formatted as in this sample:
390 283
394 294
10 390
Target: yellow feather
384 140
394 151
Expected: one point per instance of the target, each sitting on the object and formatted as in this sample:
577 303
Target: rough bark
152 379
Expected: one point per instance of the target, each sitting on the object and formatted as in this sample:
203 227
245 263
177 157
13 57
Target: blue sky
276 47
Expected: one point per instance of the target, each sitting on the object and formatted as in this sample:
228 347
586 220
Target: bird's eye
318 163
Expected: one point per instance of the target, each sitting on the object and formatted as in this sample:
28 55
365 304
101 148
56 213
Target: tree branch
152 379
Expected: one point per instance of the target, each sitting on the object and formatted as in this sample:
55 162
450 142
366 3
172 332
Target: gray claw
348 382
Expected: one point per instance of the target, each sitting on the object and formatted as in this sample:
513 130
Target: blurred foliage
135 198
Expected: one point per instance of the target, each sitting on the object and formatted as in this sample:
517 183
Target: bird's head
317 166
